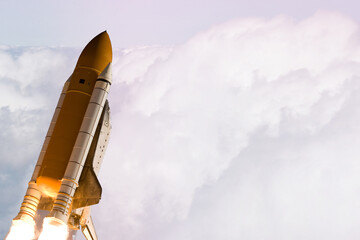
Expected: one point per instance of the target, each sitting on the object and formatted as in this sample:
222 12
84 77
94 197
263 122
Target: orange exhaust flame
21 230
54 229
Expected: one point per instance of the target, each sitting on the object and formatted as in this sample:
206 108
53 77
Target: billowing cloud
247 130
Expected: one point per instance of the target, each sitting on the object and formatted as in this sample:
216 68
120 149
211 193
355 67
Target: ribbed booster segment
29 205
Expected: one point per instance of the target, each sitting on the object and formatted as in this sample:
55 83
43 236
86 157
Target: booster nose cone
97 54
106 74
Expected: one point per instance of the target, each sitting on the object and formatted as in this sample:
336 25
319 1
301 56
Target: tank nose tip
97 54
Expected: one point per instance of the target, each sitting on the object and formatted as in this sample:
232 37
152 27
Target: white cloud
247 130
181 125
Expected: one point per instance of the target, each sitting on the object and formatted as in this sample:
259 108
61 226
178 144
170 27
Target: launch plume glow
21 230
54 230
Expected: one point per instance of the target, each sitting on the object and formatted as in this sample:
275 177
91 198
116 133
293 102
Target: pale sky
230 119
139 22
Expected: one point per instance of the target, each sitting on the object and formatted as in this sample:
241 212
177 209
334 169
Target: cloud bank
247 130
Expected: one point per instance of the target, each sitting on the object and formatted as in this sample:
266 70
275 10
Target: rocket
64 180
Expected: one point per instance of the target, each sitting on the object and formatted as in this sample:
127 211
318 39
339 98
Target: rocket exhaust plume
54 229
21 230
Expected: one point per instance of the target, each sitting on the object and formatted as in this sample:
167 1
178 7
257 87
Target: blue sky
139 22
231 120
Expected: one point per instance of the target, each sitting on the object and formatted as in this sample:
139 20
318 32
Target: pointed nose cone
97 54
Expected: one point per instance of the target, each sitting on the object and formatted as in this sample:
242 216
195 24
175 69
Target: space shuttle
64 181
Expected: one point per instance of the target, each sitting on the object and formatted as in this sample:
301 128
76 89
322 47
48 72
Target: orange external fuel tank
94 58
